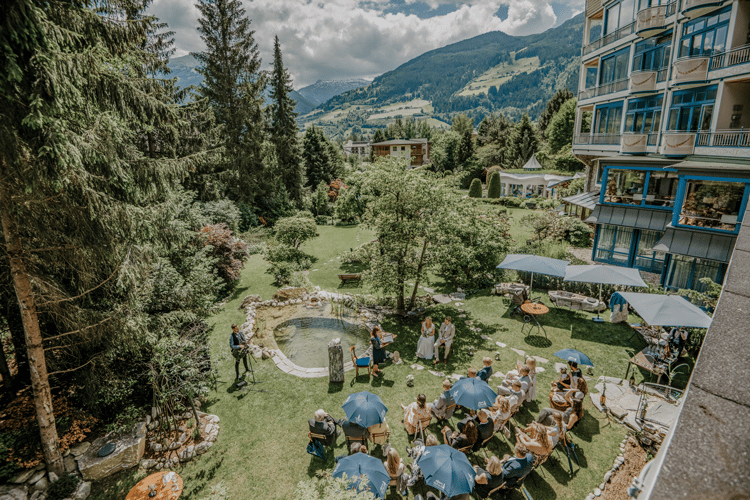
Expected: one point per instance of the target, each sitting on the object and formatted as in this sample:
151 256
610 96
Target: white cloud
352 38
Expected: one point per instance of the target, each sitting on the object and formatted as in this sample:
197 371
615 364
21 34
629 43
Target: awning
712 166
585 200
636 217
698 244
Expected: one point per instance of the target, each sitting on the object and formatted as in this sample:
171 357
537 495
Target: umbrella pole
598 319
531 286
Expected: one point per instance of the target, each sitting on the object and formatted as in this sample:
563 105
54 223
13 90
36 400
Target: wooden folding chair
320 437
351 439
451 408
422 425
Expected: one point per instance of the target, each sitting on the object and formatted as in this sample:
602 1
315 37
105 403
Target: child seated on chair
416 412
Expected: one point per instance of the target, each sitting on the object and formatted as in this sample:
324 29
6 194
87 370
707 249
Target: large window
615 67
712 204
652 188
692 109
707 35
661 189
608 118
614 244
652 54
625 186
686 272
645 258
619 15
644 114
643 4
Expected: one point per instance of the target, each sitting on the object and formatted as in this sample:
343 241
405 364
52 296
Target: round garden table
167 488
531 310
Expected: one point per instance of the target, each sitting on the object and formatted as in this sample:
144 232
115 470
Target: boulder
52 477
148 463
80 449
70 464
201 448
209 428
37 476
15 494
41 485
37 495
83 491
128 453
23 477
250 299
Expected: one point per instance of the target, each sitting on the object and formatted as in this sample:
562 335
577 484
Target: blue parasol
447 469
473 393
360 463
364 409
575 356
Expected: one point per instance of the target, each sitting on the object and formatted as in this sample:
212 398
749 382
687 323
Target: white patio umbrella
603 274
534 264
667 310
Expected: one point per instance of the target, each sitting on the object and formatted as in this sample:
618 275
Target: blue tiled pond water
305 340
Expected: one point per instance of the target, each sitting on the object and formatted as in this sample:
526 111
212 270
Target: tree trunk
15 324
4 370
37 364
419 273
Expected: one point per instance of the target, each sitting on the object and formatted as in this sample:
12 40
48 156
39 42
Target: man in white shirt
445 338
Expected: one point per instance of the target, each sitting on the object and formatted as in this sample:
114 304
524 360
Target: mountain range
513 75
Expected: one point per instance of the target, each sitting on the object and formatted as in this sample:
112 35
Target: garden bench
350 277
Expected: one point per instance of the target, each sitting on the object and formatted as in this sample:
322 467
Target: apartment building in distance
417 151
663 123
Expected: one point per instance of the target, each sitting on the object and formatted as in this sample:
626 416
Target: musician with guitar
238 344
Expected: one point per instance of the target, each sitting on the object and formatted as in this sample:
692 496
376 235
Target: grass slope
260 452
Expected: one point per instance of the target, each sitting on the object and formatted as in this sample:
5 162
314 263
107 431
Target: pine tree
233 86
284 128
523 143
78 175
466 146
553 105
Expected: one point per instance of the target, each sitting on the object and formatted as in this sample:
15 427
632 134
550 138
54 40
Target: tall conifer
233 86
284 128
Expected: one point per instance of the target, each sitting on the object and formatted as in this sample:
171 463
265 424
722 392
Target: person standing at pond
445 339
238 344
425 348
379 354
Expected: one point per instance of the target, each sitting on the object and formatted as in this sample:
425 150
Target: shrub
475 191
63 487
493 186
321 220
230 252
512 201
294 231
502 210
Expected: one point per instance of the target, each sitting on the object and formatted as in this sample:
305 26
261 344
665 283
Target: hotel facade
663 124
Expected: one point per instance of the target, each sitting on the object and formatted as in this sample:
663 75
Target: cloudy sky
336 39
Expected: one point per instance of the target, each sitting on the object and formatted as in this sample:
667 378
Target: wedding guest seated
354 431
354 448
523 379
395 468
461 440
490 478
555 431
322 423
485 428
538 442
562 382
471 373
516 396
511 471
416 412
444 406
500 412
486 372
570 416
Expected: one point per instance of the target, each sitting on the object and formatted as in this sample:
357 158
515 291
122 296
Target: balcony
724 139
637 143
643 81
676 143
696 8
740 55
609 38
597 139
607 88
653 20
690 70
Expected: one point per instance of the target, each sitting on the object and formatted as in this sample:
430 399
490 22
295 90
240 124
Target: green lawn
261 454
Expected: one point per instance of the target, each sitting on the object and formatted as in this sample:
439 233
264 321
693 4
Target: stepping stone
500 344
459 304
417 367
540 359
461 315
484 337
518 351
461 310
456 376
559 366
469 322
539 369
477 330
429 290
437 374
313 270
441 299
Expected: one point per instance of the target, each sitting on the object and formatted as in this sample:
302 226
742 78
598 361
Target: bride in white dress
426 344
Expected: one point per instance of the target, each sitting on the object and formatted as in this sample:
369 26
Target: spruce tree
233 86
284 128
77 179
523 144
553 105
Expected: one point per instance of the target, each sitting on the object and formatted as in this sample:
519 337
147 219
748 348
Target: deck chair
517 299
360 363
